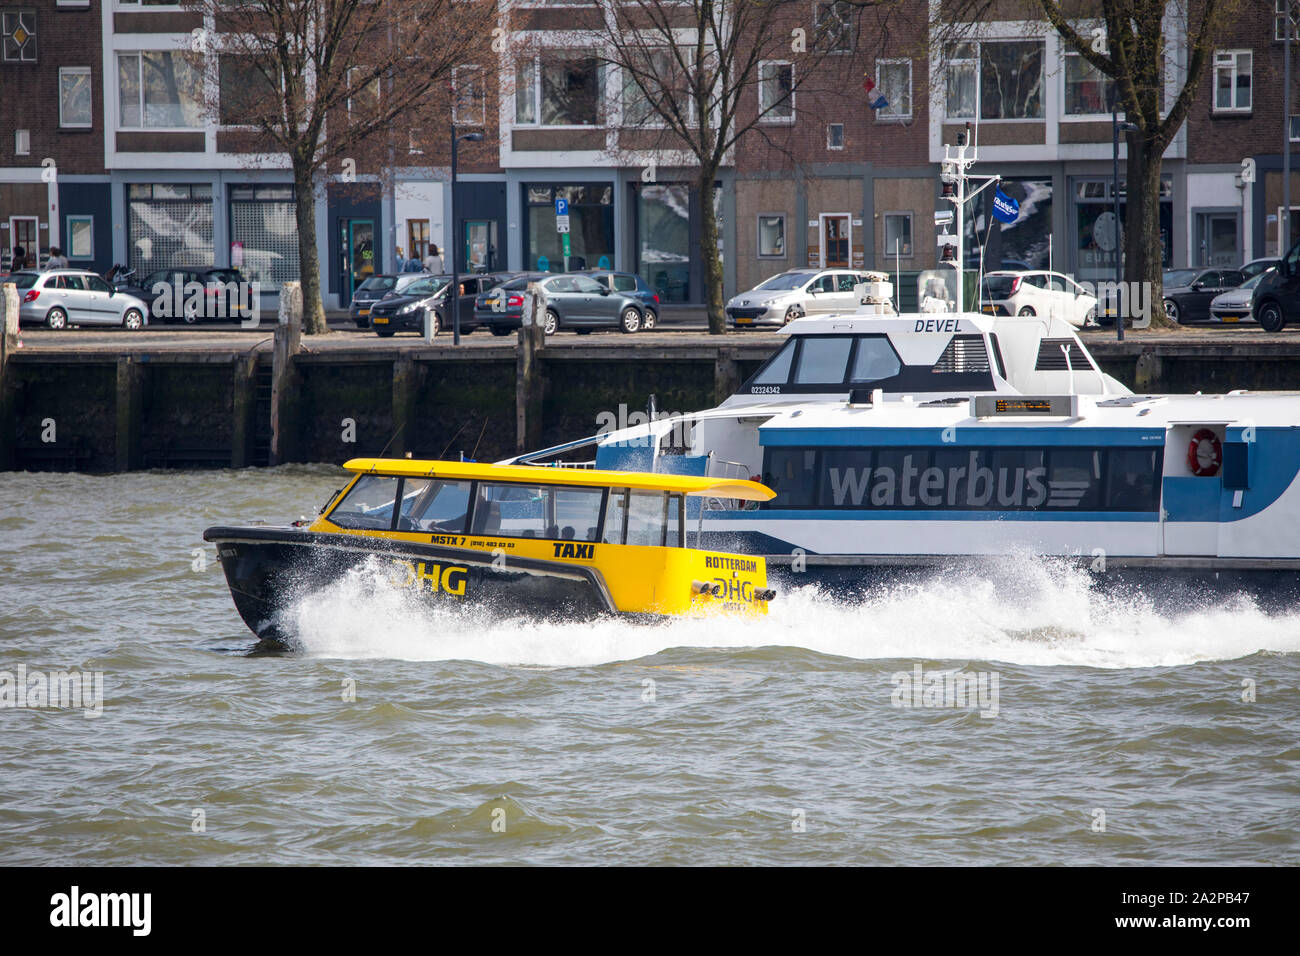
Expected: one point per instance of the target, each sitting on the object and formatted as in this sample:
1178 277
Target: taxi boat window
434 504
777 369
653 518
875 359
537 511
368 505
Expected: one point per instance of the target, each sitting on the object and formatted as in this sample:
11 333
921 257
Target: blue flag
1005 209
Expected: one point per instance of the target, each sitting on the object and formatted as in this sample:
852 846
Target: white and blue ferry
900 441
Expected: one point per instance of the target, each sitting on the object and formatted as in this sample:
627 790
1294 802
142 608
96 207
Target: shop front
590 239
1097 236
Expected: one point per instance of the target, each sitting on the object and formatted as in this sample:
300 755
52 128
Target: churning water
950 720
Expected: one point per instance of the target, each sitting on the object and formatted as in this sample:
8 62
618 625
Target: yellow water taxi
514 538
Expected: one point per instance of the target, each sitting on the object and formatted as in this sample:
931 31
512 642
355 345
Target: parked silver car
63 297
793 294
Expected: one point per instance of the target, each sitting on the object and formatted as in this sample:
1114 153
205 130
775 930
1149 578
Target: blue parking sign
561 207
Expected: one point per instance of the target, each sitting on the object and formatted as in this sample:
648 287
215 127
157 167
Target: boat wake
1031 612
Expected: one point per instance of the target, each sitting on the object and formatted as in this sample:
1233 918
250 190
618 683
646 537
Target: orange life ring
1205 454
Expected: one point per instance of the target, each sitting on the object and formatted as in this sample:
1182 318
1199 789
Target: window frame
1237 73
1041 43
1068 117
829 144
534 66
882 115
477 92
758 246
68 224
966 62
822 8
33 35
910 248
202 70
88 73
765 111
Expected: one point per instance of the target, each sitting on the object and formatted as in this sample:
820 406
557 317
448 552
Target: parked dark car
169 293
631 284
573 300
1277 297
375 288
405 311
1188 292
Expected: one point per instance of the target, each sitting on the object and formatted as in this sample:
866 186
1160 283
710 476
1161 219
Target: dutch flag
874 99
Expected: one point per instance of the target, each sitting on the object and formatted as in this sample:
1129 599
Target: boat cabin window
537 511
965 478
653 518
777 369
875 359
822 361
368 504
434 504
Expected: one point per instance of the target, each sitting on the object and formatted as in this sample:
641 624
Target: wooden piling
288 341
243 408
8 344
528 371
128 403
406 386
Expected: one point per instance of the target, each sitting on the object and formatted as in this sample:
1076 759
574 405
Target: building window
363 94
656 72
562 87
1088 91
18 36
1232 81
776 91
23 142
962 86
417 238
467 104
81 237
413 140
771 237
74 97
834 27
898 234
169 226
1295 128
591 227
894 79
246 92
160 89
264 220
1279 22
835 136
1011 80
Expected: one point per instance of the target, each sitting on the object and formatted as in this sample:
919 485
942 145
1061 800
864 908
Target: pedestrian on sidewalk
57 259
433 261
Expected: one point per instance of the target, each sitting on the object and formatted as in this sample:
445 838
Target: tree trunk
313 306
1142 250
709 253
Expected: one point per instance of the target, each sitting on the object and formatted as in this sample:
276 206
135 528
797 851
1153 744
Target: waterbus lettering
937 325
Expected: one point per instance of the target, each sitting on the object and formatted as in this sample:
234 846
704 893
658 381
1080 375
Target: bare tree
1128 41
329 84
704 73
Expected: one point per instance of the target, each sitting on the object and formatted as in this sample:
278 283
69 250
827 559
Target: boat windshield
368 504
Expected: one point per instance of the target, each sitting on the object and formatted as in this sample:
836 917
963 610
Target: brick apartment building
147 176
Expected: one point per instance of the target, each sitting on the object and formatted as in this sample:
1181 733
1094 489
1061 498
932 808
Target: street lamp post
1116 126
454 291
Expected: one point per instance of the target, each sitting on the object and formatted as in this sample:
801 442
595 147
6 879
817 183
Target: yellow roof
585 477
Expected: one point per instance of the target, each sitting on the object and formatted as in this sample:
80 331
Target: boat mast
954 174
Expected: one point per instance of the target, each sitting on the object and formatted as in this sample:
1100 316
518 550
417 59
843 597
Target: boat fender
1205 454
699 587
764 594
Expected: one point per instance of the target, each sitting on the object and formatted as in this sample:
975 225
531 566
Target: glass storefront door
481 245
664 240
356 254
591 227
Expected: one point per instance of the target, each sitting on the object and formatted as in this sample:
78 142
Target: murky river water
1102 731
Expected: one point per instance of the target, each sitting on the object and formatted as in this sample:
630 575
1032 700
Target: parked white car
1234 305
796 293
64 297
1038 293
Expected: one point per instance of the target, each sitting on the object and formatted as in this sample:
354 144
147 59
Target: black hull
269 569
